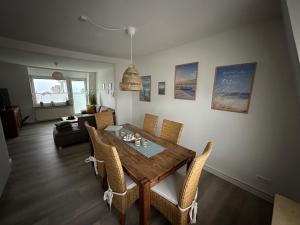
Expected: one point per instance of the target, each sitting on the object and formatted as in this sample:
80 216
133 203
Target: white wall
106 96
15 78
29 54
294 9
4 160
92 80
123 98
263 142
287 17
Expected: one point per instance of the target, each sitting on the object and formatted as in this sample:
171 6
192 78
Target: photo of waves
232 87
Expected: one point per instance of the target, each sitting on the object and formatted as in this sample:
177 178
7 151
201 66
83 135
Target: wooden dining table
147 172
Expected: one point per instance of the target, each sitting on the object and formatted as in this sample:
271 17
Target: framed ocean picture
233 87
186 81
161 88
145 94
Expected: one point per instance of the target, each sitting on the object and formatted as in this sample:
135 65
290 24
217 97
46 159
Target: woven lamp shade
57 75
131 80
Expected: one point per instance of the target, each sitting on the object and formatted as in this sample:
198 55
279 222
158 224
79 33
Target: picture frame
161 88
185 82
233 86
145 94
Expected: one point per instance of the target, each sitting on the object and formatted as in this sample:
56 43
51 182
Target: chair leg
103 183
122 219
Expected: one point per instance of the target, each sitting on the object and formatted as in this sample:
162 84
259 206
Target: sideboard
11 120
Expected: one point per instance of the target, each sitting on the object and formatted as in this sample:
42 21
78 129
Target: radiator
51 113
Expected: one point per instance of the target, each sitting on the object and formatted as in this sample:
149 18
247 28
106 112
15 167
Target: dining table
144 170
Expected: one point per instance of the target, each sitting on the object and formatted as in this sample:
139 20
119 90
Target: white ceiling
47 61
161 24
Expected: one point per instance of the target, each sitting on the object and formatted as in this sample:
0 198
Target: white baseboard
247 187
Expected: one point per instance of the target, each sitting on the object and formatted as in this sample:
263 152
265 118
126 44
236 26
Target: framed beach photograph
233 87
145 94
186 81
161 88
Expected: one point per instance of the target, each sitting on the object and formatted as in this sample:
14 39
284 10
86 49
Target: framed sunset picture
145 94
233 87
186 81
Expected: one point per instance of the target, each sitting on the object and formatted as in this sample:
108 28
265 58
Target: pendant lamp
56 75
131 80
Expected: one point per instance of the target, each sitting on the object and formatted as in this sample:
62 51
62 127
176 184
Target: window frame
69 82
69 89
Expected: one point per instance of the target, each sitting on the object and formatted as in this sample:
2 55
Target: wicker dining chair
150 123
97 157
175 197
104 119
122 190
171 131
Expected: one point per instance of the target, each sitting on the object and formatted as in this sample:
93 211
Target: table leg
188 164
144 202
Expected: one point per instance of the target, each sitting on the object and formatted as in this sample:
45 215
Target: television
4 98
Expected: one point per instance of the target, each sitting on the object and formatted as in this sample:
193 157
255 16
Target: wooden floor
50 186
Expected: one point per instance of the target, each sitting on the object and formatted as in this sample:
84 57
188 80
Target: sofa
76 132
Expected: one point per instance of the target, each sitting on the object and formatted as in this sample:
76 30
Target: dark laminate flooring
50 186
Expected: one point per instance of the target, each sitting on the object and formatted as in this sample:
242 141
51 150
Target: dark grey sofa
77 133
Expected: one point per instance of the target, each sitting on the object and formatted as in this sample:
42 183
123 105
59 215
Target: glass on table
117 133
145 143
122 133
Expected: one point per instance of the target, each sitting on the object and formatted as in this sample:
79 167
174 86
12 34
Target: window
48 90
79 95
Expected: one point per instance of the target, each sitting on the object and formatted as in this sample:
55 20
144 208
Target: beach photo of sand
232 87
186 81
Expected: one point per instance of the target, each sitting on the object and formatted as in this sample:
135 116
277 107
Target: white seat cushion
129 182
170 187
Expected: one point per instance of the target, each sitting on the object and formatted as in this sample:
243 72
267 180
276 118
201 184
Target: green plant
92 99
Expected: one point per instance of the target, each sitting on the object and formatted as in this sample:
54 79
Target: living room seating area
71 130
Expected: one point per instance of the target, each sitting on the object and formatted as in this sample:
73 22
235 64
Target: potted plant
92 99
91 108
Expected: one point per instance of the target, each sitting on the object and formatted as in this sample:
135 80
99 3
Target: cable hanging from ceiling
131 80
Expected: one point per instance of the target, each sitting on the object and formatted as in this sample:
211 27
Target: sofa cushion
90 109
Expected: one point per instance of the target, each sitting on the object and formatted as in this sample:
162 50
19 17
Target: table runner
149 151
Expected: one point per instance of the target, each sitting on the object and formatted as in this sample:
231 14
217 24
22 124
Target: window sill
50 106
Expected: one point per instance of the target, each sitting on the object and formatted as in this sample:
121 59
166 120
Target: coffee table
65 118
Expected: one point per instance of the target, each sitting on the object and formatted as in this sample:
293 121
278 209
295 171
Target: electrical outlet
263 179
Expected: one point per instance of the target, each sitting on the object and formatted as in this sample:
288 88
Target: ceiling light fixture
56 75
131 80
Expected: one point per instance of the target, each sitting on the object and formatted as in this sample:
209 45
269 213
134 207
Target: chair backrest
150 123
190 185
98 154
92 132
171 131
104 119
113 165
